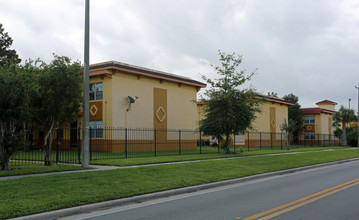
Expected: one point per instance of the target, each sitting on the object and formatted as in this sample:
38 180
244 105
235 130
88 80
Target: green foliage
228 108
7 56
58 96
352 136
13 110
36 94
295 114
289 127
340 119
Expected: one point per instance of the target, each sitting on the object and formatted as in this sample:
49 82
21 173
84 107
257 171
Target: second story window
96 91
309 120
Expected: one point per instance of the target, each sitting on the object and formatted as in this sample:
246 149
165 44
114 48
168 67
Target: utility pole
358 114
349 109
86 86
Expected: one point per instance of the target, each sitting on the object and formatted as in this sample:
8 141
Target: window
309 136
96 91
96 129
309 120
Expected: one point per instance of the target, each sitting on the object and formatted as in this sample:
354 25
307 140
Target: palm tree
343 116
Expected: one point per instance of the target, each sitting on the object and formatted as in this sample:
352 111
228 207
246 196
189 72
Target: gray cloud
308 48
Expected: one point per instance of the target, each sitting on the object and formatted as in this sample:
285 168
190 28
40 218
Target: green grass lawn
73 156
31 195
37 168
204 156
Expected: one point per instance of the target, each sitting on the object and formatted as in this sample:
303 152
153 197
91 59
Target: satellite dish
130 101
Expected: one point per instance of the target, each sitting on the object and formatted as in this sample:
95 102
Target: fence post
90 134
57 145
248 140
79 145
179 142
271 142
126 150
200 142
311 141
281 140
234 142
155 142
260 140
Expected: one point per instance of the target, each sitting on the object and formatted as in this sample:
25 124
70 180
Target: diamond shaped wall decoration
159 117
93 110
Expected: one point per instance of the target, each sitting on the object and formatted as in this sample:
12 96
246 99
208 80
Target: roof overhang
102 69
274 100
308 111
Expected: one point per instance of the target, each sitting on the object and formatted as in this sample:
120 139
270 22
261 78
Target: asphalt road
323 193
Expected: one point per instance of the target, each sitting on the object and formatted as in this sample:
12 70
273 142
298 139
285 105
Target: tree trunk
48 145
344 135
5 154
5 164
226 144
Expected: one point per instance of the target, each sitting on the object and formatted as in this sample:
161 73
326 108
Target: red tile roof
267 98
316 111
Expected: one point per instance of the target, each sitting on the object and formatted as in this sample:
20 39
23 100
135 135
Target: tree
58 97
288 127
14 100
295 114
228 109
7 56
341 118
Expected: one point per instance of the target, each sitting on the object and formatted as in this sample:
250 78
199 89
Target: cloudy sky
309 48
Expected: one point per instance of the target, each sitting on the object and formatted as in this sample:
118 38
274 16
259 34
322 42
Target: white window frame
96 89
309 119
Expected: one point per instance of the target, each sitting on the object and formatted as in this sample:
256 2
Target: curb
158 195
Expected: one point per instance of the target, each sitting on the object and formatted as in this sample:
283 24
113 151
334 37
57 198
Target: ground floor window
309 135
96 129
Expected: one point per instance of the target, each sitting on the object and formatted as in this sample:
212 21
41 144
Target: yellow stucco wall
327 106
181 110
263 122
323 124
326 126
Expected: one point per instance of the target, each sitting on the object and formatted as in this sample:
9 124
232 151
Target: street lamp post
357 87
349 103
86 102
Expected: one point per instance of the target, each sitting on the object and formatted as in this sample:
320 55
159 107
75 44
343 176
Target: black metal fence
113 143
